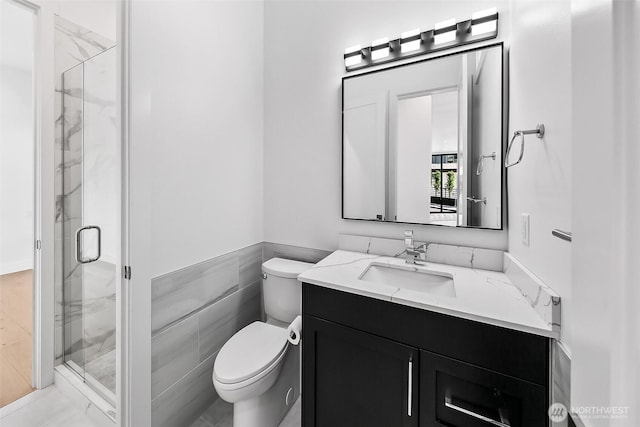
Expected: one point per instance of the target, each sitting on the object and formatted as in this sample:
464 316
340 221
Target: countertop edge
548 333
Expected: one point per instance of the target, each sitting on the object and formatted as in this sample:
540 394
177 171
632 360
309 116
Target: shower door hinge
38 244
126 272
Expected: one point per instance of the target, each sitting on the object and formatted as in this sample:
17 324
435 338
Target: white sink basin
416 278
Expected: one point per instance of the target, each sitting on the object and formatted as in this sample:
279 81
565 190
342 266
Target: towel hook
481 161
538 131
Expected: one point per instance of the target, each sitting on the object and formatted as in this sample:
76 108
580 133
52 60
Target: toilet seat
251 354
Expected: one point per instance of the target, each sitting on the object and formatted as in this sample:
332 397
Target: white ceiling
16 36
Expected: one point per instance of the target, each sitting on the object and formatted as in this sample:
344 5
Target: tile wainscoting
194 311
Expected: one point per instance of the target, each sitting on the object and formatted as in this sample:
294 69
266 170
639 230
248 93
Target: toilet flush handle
264 275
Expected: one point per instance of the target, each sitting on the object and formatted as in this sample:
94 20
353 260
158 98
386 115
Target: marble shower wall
73 104
194 311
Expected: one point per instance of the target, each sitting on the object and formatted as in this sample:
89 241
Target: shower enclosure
88 208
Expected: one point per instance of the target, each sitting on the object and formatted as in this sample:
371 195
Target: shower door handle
79 257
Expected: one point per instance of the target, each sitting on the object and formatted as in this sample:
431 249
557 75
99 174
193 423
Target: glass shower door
91 208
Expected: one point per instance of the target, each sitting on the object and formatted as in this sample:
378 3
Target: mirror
422 142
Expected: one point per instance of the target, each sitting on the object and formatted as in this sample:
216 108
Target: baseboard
15 266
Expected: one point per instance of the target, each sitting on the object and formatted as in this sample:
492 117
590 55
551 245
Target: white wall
195 138
197 87
540 92
304 42
17 142
605 93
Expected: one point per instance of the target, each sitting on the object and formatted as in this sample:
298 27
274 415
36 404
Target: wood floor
15 336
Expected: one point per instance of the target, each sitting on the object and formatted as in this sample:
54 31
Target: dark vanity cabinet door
355 360
455 393
355 379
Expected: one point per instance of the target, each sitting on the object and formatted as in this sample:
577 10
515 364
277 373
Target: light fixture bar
463 36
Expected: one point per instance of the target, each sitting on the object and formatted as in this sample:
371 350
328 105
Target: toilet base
269 408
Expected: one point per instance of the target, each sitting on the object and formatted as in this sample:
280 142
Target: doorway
17 198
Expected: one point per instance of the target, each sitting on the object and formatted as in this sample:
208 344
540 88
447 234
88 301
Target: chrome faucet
413 254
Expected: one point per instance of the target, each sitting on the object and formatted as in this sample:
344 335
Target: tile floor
220 414
15 336
44 408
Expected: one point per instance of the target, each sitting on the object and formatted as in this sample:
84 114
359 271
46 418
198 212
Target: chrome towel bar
564 235
538 131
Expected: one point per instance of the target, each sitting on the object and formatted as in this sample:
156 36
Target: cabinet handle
410 387
448 404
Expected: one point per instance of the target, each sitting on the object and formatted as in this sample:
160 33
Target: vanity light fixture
445 32
484 21
448 34
352 56
380 49
410 40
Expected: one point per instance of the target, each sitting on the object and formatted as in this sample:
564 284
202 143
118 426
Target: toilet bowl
258 370
250 362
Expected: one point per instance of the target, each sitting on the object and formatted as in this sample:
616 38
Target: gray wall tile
204 304
277 250
174 353
221 320
182 403
182 292
250 262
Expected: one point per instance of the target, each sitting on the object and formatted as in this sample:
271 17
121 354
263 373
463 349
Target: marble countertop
481 295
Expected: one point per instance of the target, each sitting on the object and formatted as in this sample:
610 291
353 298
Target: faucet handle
408 238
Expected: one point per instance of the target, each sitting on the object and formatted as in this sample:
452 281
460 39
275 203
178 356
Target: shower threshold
87 393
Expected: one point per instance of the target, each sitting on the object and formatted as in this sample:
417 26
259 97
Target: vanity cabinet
369 363
359 378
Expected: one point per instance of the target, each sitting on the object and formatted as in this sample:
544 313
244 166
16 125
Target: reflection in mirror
422 142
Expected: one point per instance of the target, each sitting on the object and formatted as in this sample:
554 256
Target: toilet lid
249 352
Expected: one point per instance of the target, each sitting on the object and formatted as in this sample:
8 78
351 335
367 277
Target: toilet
258 370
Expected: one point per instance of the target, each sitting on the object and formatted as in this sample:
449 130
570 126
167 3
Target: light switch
525 225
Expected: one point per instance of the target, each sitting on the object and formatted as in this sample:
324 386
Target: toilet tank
281 290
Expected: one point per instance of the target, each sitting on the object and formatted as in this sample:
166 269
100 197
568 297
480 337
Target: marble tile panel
74 44
371 245
89 311
182 403
298 253
174 353
544 300
179 293
103 369
463 256
354 243
387 247
218 322
488 259
250 264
